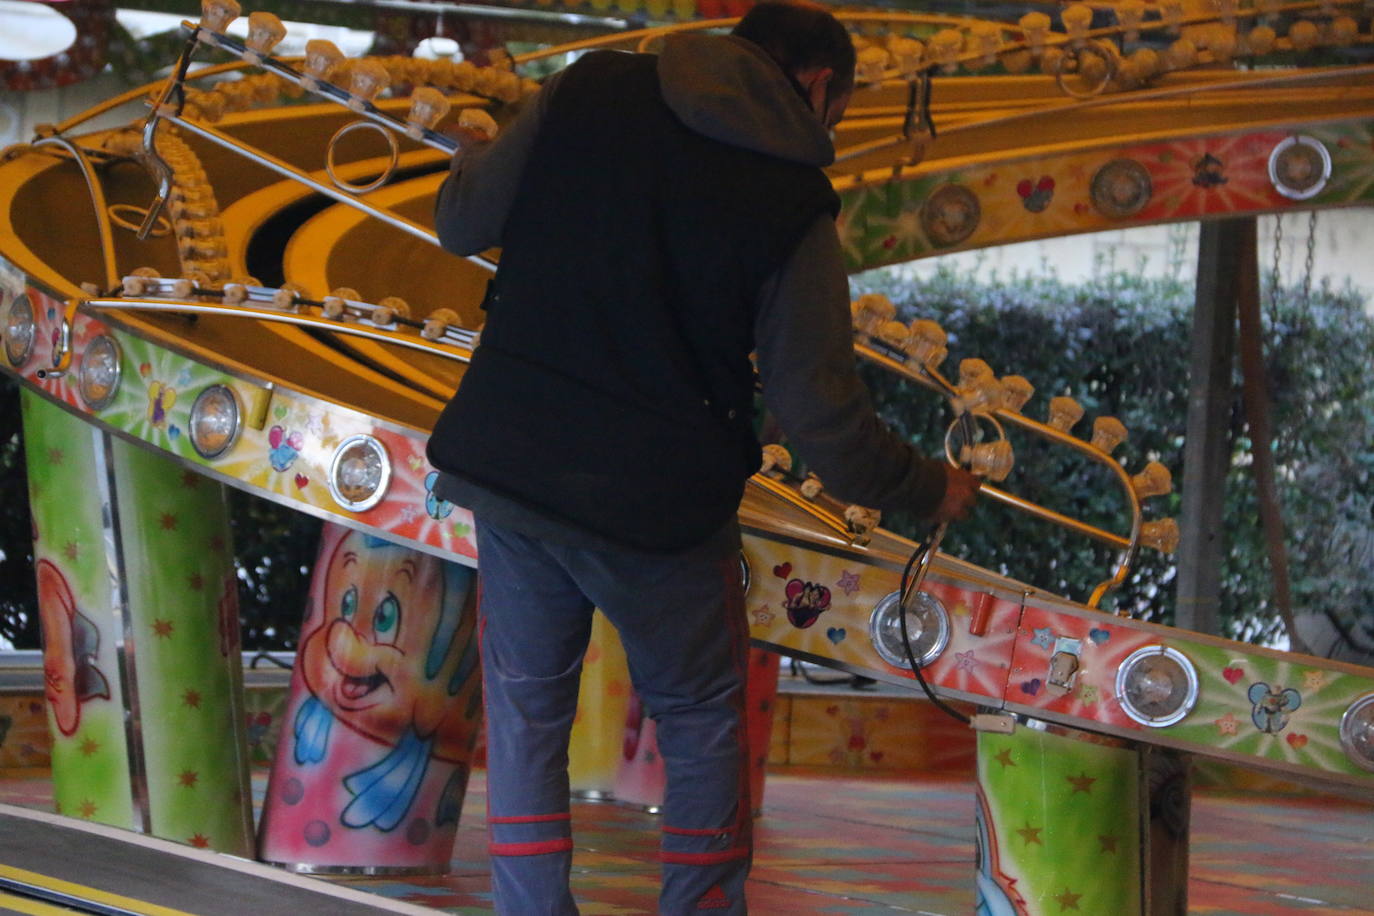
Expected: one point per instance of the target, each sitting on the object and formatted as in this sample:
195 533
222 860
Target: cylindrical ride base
139 613
598 732
385 706
1059 824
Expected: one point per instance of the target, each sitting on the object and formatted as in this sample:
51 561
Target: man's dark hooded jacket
658 217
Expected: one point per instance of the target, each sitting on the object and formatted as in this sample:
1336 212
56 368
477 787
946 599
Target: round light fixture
1357 732
359 473
216 421
1299 167
19 331
98 377
1156 686
927 625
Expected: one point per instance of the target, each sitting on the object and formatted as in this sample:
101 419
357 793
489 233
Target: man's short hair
799 35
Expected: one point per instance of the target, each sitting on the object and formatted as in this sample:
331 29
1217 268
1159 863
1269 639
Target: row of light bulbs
983 44
195 218
365 78
922 345
391 313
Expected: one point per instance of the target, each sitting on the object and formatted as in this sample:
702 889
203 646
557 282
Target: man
660 218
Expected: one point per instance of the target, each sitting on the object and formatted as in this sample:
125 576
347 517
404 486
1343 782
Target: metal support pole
1206 455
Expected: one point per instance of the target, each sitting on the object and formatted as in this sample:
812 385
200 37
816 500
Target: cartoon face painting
70 643
388 651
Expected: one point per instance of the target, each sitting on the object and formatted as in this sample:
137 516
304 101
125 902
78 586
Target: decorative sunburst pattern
1210 175
288 458
820 604
887 222
1251 702
1352 161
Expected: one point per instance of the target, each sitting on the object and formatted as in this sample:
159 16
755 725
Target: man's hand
961 490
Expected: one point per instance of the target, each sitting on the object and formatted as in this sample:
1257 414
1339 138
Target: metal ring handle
971 422
380 179
163 227
1074 55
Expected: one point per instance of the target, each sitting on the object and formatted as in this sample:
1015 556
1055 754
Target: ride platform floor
833 842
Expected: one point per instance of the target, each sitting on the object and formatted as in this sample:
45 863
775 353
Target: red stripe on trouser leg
530 849
703 858
705 831
530 819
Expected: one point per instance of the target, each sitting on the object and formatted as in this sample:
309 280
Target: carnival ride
203 283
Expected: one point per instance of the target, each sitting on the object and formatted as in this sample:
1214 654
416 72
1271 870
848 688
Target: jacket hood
727 89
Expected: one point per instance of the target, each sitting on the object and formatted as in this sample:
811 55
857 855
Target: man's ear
816 82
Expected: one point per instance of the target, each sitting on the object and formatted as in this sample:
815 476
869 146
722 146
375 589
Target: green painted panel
183 626
1059 825
90 758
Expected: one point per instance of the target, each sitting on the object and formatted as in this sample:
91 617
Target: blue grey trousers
681 620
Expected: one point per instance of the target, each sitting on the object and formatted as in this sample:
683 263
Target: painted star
1108 843
70 550
55 456
1031 834
195 582
1227 724
168 521
188 778
217 543
763 616
163 628
965 661
89 747
1087 694
200 841
191 698
1314 680
87 809
1067 901
848 582
1044 637
190 479
1082 783
1004 757
409 513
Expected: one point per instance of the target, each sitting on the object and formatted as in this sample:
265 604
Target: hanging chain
1307 265
1274 274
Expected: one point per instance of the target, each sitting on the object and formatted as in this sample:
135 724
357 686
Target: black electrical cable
921 549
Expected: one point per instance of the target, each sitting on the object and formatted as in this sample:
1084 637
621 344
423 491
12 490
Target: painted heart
174 431
279 412
876 756
301 481
1296 741
415 462
1099 636
782 570
461 530
1031 687
832 710
275 435
1232 674
836 635
144 369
